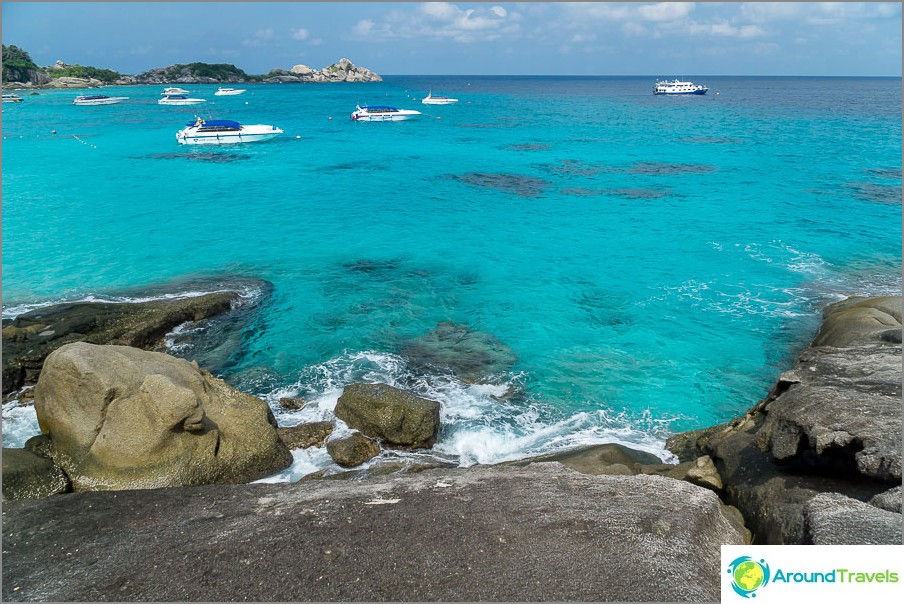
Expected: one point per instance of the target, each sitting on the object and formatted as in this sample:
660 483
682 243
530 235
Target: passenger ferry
678 87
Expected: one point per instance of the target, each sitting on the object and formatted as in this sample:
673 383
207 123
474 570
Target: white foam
19 424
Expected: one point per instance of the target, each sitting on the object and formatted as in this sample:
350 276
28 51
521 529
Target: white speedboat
224 132
678 87
382 114
98 99
228 91
179 99
437 100
9 97
170 91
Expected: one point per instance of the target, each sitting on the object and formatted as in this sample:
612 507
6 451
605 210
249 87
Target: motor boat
224 132
10 97
382 114
437 100
98 99
179 99
171 91
228 91
678 87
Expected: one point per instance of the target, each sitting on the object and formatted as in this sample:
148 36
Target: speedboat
224 132
9 97
179 99
381 114
228 91
171 91
678 87
98 99
437 100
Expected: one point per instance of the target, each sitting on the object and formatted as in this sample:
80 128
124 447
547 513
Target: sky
470 38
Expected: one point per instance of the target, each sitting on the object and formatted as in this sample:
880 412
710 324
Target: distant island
19 71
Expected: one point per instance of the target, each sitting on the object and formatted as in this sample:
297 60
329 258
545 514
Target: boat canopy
380 108
217 124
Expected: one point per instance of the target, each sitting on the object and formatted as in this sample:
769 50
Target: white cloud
442 20
300 34
725 29
665 11
260 37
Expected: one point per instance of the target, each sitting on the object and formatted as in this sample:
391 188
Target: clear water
653 262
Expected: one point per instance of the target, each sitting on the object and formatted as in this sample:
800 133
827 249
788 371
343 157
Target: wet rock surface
473 356
352 450
27 475
303 436
832 424
396 417
512 534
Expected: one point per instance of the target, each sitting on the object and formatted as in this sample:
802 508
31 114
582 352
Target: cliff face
18 67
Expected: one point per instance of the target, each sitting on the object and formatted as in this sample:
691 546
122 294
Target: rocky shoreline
817 461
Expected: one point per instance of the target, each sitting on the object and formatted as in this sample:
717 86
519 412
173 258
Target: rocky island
817 461
20 72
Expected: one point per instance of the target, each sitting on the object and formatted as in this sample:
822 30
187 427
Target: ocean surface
632 265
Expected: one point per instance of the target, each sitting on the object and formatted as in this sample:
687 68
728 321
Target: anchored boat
97 99
224 132
179 99
382 114
437 100
678 87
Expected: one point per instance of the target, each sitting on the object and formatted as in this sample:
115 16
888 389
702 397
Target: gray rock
293 403
303 436
890 500
399 418
124 418
858 321
834 519
539 533
352 450
609 458
30 337
301 70
27 475
846 408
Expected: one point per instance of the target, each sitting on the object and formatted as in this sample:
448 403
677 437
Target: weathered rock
890 500
301 70
609 458
352 450
303 436
292 403
845 410
30 476
858 321
540 533
124 418
30 337
397 417
473 355
704 474
833 519
40 445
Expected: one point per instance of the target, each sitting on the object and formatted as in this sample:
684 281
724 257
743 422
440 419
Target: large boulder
352 450
538 533
860 320
889 500
27 475
124 418
30 337
399 418
833 519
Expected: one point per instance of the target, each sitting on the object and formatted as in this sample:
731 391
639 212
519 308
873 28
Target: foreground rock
397 417
352 450
831 425
834 519
30 337
30 476
123 418
540 533
303 436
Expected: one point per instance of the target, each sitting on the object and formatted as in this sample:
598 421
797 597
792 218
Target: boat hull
228 92
383 118
689 92
439 101
248 134
180 102
113 100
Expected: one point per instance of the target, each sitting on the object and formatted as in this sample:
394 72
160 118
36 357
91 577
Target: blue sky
474 38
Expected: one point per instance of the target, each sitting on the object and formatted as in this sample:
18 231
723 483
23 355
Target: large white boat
179 99
10 97
382 114
437 100
228 91
678 87
224 132
98 99
170 91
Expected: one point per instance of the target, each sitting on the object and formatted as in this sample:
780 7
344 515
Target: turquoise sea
652 263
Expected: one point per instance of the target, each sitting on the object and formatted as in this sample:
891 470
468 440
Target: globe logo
748 575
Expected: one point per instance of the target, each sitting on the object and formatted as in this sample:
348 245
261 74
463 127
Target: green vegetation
217 71
16 62
107 76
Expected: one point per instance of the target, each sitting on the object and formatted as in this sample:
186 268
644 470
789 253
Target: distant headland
19 71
